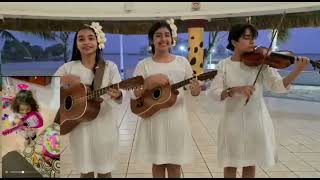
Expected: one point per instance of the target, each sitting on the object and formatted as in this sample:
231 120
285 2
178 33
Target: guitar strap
98 74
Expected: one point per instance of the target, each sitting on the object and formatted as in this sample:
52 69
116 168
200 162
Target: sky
302 40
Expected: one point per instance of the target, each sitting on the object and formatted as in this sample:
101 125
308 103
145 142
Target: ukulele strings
93 94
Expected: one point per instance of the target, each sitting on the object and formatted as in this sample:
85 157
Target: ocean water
305 87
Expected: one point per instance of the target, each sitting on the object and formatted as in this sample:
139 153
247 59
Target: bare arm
301 63
246 91
151 82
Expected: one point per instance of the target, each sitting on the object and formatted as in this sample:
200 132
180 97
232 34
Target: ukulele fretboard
102 91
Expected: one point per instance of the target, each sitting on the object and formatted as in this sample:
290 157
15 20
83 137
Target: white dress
245 134
165 137
94 144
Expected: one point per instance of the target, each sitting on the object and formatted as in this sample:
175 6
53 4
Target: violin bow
273 36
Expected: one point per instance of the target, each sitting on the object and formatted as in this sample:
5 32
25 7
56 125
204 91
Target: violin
278 59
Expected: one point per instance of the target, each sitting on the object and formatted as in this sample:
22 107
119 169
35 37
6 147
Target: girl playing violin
246 135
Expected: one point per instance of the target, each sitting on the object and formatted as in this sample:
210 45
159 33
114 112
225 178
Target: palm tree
63 37
7 35
283 35
43 35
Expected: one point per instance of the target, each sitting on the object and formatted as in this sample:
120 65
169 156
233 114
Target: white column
121 57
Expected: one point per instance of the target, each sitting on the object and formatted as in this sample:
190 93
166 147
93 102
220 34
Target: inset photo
30 135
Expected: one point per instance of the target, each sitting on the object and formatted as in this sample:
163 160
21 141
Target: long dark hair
76 56
153 30
24 97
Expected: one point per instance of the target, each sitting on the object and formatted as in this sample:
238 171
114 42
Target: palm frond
283 35
43 35
25 49
6 35
63 36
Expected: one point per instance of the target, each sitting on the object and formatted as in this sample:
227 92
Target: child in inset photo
24 106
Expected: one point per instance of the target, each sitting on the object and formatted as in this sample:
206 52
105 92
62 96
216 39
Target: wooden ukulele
162 97
78 103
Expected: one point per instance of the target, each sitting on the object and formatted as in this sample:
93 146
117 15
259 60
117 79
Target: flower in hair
174 30
101 37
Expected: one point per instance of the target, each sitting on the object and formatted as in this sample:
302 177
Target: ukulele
161 97
78 103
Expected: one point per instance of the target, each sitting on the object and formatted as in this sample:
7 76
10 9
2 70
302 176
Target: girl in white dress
164 139
246 135
94 144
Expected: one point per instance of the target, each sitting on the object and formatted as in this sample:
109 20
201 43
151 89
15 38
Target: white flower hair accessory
174 30
101 37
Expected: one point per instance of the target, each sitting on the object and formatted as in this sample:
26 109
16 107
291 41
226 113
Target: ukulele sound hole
68 103
156 94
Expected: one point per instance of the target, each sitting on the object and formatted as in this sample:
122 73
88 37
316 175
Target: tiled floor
298 137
